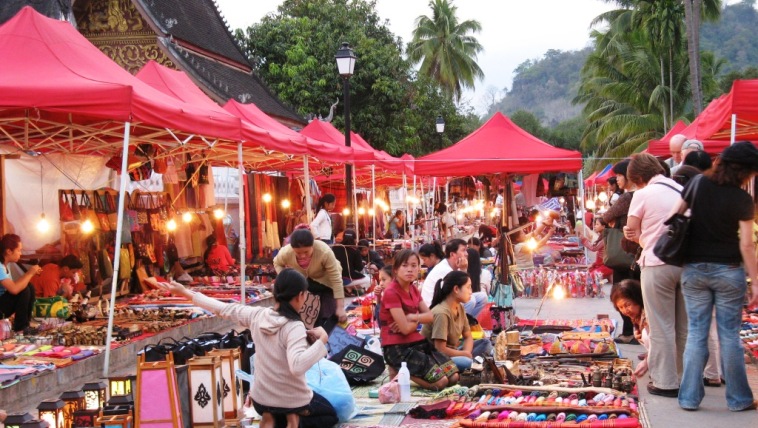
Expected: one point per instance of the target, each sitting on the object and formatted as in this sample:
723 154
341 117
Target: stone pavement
658 412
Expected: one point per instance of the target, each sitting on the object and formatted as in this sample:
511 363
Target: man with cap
687 147
63 278
371 259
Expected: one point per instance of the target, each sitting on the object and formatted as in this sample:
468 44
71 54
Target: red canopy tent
498 146
660 147
54 77
715 122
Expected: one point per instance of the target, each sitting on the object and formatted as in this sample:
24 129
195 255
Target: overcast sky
512 30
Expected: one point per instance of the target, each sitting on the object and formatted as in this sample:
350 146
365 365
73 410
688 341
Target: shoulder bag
615 257
670 247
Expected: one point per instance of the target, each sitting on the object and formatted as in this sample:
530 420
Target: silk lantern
74 400
94 395
14 420
51 411
206 396
156 402
230 387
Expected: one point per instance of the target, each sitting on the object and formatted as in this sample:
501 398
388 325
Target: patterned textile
422 360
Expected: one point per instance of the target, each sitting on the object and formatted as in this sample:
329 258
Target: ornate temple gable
120 31
58 9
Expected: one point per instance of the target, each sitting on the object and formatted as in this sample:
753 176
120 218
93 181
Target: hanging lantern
74 400
205 380
14 420
94 395
51 411
230 386
156 398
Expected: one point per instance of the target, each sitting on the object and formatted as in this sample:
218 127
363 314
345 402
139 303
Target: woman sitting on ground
285 351
218 258
450 323
473 266
402 310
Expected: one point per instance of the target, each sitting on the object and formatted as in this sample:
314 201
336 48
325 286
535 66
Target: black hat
71 261
363 243
348 237
621 166
744 153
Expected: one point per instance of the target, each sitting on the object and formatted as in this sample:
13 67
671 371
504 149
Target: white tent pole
405 194
434 204
423 210
117 253
373 205
354 203
413 216
581 208
307 186
734 129
243 241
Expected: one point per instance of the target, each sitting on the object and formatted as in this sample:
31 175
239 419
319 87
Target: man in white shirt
675 147
455 250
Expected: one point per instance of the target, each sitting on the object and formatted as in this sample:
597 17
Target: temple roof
53 9
198 23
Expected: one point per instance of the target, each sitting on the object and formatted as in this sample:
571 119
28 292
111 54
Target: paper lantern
86 418
94 395
206 396
73 400
121 390
14 420
230 386
156 401
35 424
51 411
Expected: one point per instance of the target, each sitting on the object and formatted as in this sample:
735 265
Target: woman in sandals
402 310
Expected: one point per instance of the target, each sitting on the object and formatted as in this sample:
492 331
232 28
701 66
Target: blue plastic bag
326 378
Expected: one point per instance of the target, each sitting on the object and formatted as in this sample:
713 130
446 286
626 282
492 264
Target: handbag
52 307
502 294
132 216
102 215
124 264
502 318
140 208
64 208
88 211
670 247
359 364
615 257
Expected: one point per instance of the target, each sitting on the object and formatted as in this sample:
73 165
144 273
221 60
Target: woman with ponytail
321 226
450 322
401 312
285 350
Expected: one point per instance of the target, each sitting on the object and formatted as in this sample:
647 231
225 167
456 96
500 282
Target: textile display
267 221
575 283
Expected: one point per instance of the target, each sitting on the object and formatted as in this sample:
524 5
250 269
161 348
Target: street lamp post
345 65
440 125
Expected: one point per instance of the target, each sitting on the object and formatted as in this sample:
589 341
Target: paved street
658 412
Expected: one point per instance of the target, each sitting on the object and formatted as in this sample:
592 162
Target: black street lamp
345 65
440 124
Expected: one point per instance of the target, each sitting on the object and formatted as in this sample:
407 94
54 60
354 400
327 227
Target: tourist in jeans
664 305
720 239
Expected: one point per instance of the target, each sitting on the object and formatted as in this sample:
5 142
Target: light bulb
590 205
559 293
361 211
171 225
603 196
87 227
531 244
371 212
346 211
286 204
267 197
187 217
43 225
562 200
218 213
493 214
538 219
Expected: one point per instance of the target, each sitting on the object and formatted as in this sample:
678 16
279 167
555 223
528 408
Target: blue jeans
704 286
476 303
482 348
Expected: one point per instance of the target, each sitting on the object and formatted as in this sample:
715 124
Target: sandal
715 383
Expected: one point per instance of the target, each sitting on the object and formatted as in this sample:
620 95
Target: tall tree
446 49
694 12
293 51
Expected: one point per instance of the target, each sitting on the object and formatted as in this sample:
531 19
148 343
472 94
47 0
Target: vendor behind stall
63 278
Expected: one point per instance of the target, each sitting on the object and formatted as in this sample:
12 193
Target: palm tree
446 49
694 10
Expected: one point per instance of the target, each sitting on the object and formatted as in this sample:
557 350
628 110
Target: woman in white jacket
279 391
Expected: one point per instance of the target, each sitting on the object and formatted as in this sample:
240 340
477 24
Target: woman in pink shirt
402 310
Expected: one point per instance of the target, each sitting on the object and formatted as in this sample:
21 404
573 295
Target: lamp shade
440 124
51 411
345 60
73 400
231 390
205 381
121 385
94 395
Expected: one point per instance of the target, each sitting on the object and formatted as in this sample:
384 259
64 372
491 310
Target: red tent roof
49 66
715 122
300 144
661 147
498 146
326 132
